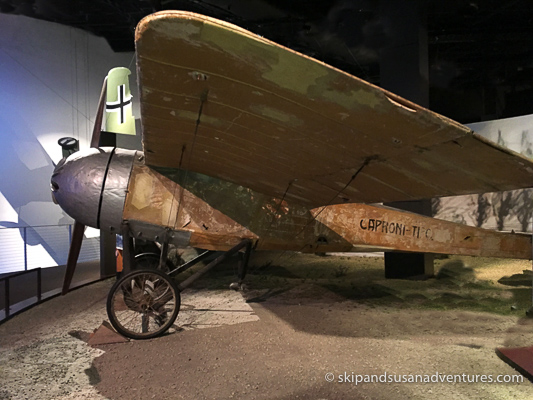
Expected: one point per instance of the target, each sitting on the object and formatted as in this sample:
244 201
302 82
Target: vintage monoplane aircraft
248 144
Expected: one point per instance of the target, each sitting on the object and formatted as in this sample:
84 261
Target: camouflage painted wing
224 102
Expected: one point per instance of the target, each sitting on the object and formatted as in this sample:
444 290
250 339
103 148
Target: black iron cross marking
120 104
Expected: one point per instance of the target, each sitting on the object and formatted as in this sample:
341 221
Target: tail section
118 109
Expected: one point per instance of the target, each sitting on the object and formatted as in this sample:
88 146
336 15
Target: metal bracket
164 250
243 262
128 251
192 263
157 233
187 282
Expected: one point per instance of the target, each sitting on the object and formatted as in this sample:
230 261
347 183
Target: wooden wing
219 100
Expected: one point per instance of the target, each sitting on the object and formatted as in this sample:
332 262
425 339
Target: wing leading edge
224 102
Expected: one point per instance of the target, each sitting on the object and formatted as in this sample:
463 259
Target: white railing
30 247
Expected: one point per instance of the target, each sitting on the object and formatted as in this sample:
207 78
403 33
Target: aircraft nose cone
77 184
54 186
54 199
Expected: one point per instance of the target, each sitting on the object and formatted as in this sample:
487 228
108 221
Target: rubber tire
149 335
153 259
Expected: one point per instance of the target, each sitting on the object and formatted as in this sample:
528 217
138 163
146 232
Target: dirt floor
301 321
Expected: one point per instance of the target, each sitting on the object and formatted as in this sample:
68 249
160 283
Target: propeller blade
73 253
95 139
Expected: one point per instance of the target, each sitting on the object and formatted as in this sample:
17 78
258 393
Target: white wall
508 211
50 80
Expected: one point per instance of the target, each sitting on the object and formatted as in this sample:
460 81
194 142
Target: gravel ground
39 359
281 344
43 357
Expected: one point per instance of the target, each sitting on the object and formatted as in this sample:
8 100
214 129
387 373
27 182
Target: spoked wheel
143 304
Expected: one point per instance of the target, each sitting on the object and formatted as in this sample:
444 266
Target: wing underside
221 101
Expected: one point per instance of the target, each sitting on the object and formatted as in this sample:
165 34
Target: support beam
108 241
190 280
243 262
404 71
192 263
164 255
108 261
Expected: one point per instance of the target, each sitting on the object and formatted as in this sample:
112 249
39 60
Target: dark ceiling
480 53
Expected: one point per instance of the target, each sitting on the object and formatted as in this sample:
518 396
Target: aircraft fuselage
106 188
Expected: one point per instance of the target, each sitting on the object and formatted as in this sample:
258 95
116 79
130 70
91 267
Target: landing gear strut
145 303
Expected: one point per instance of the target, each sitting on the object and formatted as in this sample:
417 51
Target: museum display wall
50 80
504 211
